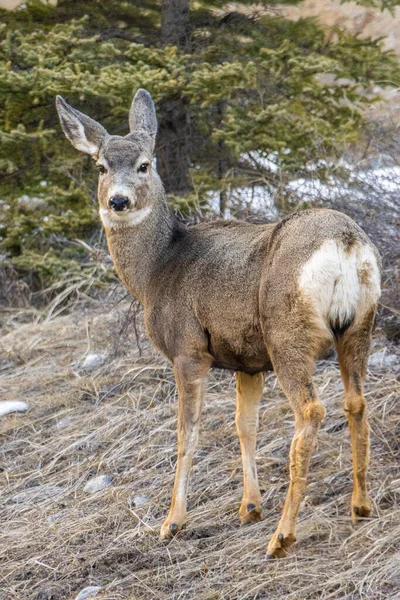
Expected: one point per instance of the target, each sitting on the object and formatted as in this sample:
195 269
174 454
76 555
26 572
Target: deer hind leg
249 389
293 362
190 377
353 348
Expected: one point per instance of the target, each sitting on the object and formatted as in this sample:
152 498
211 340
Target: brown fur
226 294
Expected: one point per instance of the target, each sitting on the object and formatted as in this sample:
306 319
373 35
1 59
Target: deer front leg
249 390
191 378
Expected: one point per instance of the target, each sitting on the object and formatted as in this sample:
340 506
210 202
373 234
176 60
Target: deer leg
190 377
355 410
353 348
294 376
249 390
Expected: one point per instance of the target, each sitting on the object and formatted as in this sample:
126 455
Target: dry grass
119 418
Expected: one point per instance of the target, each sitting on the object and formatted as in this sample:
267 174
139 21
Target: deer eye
102 169
144 167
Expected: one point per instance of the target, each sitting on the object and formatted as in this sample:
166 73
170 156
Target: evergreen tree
235 91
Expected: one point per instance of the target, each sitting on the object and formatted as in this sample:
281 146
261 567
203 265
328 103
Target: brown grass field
117 417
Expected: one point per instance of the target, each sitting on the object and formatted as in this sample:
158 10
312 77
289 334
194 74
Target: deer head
127 179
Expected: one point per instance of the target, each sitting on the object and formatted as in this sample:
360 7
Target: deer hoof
169 530
279 545
360 507
360 512
250 513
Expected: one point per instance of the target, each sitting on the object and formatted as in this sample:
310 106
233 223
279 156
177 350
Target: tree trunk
174 23
173 140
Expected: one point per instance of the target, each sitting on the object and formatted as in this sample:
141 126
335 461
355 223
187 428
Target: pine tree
236 91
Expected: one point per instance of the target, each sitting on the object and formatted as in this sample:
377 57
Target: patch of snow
379 186
317 190
385 179
269 162
257 197
11 406
213 201
31 202
97 484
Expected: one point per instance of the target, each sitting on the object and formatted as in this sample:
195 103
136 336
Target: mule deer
238 296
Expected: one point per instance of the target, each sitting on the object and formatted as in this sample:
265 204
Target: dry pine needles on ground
103 405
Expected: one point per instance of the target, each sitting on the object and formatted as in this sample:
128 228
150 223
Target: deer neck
139 250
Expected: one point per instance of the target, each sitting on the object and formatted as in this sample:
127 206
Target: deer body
190 290
191 299
239 296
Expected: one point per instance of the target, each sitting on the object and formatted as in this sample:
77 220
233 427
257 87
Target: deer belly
245 352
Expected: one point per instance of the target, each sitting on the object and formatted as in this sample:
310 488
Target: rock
97 484
93 361
10 406
88 592
382 359
136 501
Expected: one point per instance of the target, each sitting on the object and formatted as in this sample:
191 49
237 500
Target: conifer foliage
232 88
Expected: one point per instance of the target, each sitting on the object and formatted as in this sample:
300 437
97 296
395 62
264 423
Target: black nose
118 203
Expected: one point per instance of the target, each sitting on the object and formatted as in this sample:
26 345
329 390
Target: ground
102 402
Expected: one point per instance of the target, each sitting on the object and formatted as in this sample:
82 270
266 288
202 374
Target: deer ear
142 115
83 132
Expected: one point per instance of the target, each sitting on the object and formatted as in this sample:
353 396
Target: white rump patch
338 282
127 219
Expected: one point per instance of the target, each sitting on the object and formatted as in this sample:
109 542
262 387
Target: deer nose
118 203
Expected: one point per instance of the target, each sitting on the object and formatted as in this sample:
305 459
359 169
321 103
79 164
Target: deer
250 298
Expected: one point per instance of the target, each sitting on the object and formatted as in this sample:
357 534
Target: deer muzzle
119 203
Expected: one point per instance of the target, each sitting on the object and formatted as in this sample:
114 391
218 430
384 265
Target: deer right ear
142 116
83 132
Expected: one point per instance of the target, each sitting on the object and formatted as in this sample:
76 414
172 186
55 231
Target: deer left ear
83 132
142 115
